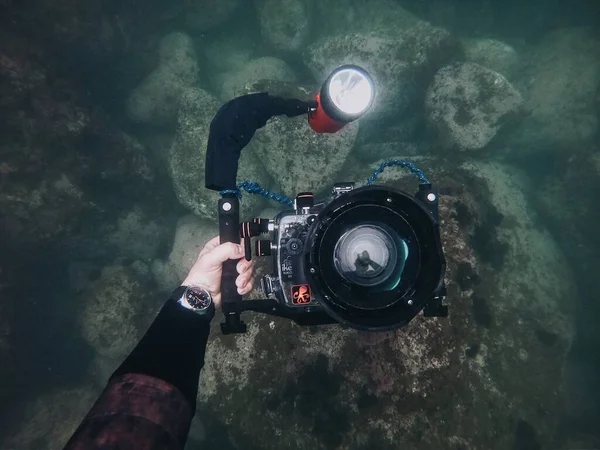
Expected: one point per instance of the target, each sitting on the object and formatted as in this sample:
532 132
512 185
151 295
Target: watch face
198 298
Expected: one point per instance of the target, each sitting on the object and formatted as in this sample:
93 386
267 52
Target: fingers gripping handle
229 231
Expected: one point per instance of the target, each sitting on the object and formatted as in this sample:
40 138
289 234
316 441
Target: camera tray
230 230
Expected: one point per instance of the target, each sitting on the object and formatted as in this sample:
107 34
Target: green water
105 108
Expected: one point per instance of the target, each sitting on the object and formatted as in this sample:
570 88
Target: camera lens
367 255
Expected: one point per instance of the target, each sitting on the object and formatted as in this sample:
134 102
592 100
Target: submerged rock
231 84
188 158
138 236
191 235
401 66
117 310
296 157
370 152
156 99
205 15
560 82
284 23
470 379
229 52
467 105
492 54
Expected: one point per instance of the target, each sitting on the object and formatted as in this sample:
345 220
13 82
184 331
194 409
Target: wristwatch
196 299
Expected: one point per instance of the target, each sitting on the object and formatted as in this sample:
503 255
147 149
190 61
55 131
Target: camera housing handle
430 198
229 231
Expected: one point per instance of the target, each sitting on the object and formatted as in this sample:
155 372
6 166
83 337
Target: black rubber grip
229 231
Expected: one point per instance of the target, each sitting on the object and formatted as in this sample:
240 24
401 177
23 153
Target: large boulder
467 105
298 158
492 54
401 66
188 159
137 235
205 15
370 152
560 79
117 309
156 99
230 84
229 52
191 235
295 156
285 24
472 379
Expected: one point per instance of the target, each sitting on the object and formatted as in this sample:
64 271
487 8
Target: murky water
105 110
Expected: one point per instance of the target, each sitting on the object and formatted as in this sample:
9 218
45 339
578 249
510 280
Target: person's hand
206 271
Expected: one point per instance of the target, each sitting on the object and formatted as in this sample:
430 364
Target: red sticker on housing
301 294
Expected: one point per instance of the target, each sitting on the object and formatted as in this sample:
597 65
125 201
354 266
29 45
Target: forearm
150 399
135 411
172 350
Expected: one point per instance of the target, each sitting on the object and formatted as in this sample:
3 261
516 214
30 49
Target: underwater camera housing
370 258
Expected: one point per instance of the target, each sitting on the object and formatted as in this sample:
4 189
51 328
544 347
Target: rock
467 105
401 66
230 84
405 128
164 275
137 235
475 369
156 99
574 184
101 368
191 235
188 158
50 420
284 23
205 15
491 54
295 156
118 308
283 89
63 159
197 434
532 258
387 150
229 52
383 17
560 82
159 142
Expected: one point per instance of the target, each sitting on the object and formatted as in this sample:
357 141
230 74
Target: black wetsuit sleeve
172 350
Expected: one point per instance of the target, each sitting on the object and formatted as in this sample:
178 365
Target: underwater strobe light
346 95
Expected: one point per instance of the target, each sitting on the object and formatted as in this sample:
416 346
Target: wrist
195 299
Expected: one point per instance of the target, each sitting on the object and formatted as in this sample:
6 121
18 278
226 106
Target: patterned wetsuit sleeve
135 412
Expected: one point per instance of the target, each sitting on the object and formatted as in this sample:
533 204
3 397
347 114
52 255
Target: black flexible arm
232 129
